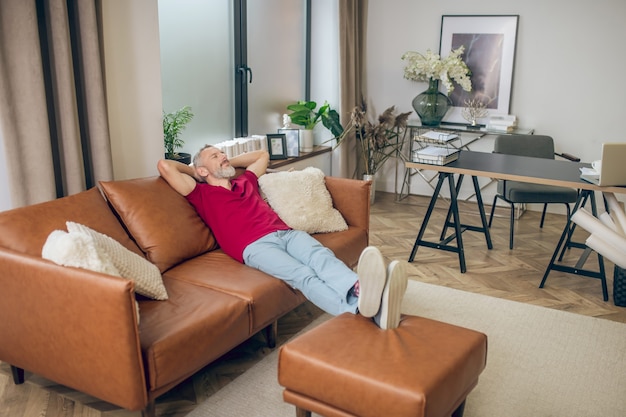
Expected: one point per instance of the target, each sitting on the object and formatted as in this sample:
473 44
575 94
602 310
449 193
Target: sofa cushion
26 229
145 275
302 200
164 225
267 297
192 328
347 245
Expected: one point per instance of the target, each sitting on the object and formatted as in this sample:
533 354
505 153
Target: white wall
567 76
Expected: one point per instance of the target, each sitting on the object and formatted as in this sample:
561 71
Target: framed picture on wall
292 137
277 145
490 42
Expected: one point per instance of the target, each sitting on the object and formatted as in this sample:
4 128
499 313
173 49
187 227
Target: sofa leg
271 334
150 410
300 412
459 411
18 375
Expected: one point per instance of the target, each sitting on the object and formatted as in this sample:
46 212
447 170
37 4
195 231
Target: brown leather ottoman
348 366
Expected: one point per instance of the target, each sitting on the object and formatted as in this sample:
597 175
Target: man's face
216 164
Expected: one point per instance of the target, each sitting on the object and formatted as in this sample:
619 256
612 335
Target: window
236 63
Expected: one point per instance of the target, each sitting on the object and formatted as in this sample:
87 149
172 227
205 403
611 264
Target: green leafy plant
303 113
173 124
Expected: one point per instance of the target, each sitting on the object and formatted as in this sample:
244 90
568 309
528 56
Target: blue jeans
306 265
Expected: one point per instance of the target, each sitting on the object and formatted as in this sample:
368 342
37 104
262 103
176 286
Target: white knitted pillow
80 251
77 250
146 275
301 199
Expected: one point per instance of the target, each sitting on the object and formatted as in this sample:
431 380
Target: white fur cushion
302 200
85 248
146 275
79 250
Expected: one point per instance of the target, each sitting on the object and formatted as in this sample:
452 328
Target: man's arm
179 176
255 161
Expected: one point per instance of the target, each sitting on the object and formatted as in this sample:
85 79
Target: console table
467 136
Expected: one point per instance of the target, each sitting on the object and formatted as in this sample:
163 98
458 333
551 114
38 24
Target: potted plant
173 124
304 113
377 140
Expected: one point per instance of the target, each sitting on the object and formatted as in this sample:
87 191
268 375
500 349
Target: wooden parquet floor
499 272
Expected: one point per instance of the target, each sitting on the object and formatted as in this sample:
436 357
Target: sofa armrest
73 326
352 198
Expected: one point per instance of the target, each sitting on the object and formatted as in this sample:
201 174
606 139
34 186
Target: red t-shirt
238 216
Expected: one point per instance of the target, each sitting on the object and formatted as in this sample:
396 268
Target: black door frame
243 73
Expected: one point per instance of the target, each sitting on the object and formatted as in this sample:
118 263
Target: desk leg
431 206
577 270
454 206
481 210
446 224
454 209
568 243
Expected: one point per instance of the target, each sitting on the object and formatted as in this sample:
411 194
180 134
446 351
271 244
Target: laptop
612 170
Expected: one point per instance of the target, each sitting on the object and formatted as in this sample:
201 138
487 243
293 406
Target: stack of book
437 137
502 123
237 146
435 155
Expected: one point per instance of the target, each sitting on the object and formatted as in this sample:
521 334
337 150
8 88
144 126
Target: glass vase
431 105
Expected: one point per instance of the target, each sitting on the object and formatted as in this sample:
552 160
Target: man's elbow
162 166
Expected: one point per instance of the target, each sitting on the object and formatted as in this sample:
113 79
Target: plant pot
306 140
181 157
371 178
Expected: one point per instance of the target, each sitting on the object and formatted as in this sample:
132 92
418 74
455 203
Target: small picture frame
293 141
277 145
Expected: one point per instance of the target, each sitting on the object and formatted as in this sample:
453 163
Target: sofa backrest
162 222
26 229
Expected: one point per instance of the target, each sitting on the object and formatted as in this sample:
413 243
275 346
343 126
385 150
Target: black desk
516 168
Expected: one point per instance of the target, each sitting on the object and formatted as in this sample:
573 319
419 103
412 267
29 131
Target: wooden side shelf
317 150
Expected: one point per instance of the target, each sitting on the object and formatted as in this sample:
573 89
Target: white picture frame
293 141
490 42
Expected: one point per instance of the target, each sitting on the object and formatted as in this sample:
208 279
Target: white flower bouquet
431 66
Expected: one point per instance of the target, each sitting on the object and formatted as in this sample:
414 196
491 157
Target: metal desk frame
514 168
415 129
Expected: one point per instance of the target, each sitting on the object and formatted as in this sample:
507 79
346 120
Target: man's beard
227 172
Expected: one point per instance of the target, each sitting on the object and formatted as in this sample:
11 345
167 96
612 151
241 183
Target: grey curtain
352 42
53 120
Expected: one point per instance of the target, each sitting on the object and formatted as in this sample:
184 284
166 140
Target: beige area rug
540 362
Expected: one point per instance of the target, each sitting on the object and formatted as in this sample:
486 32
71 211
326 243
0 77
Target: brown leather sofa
79 328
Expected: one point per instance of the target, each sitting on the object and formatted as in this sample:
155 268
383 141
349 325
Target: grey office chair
513 192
